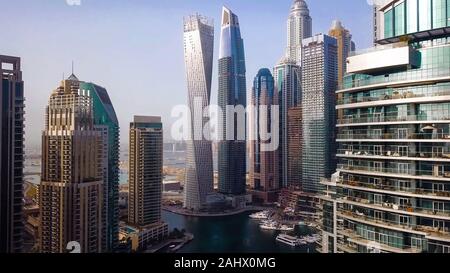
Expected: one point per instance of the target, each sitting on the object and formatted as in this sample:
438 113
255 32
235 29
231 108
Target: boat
301 223
288 240
285 228
262 215
269 225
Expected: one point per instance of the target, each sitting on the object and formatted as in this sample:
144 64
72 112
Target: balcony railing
396 171
395 136
394 188
394 154
410 75
437 232
381 119
397 207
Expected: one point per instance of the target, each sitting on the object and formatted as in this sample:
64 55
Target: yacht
289 240
262 215
269 225
285 228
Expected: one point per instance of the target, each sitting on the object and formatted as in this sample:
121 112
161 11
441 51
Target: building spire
72 77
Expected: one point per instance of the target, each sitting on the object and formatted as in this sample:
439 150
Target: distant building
319 83
263 169
12 155
145 171
198 54
295 142
345 46
299 26
287 76
71 190
232 92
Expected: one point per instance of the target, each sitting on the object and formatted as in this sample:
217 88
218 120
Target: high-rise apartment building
391 192
287 77
295 139
263 169
299 26
232 93
11 155
105 121
345 47
198 56
71 189
145 171
319 83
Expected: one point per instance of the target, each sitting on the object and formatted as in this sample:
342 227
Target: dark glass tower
105 120
232 92
11 150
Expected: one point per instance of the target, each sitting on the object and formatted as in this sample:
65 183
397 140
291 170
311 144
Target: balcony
427 231
396 208
394 154
395 190
381 119
394 137
396 172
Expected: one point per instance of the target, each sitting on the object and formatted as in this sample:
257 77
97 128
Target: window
438 207
437 152
412 25
403 151
377 133
439 14
389 23
402 133
403 220
404 185
378 166
378 199
403 168
399 13
438 187
378 150
424 15
416 243
378 215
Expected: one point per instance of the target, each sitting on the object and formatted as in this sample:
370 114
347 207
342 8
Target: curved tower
232 92
198 54
299 27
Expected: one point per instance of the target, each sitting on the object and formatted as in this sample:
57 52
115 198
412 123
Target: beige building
71 187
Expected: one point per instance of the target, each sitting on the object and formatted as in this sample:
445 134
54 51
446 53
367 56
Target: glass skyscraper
299 27
319 83
392 186
105 120
263 169
198 56
11 155
232 92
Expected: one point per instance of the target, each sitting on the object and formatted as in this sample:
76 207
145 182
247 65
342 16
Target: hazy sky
134 48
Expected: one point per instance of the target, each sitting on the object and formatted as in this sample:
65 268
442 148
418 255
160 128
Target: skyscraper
71 189
105 121
198 55
392 191
232 92
12 155
295 142
345 46
145 171
299 27
319 83
287 83
263 169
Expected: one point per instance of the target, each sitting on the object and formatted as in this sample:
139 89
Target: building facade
319 83
232 93
295 142
71 189
145 171
392 192
299 26
287 75
105 121
263 169
345 47
198 55
12 155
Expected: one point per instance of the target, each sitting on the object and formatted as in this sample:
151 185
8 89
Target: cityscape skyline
79 20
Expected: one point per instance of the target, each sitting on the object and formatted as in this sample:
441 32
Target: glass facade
410 16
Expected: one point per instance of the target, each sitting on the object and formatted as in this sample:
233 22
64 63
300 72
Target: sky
134 48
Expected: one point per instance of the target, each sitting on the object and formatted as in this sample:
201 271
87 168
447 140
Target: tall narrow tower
198 56
232 92
299 26
11 151
145 171
71 190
